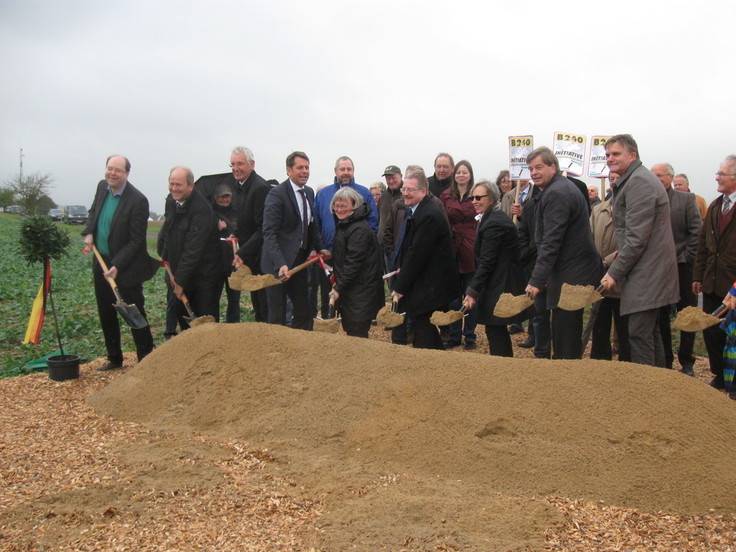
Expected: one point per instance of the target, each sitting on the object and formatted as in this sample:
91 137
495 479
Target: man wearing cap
226 216
390 195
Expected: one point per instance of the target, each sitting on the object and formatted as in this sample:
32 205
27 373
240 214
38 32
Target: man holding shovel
646 264
117 225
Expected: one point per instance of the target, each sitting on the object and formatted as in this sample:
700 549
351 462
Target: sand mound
398 437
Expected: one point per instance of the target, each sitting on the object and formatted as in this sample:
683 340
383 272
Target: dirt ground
256 437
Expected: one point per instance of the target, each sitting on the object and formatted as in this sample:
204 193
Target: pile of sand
401 441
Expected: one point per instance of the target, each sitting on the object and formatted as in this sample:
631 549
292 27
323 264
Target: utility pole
21 165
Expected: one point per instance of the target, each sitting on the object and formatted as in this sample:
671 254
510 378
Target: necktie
305 219
726 207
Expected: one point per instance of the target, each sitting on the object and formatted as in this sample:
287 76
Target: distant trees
7 197
32 192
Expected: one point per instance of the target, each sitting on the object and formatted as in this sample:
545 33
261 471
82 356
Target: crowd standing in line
449 239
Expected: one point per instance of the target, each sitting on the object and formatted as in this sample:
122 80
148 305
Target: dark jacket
227 215
127 239
498 266
527 229
191 243
249 200
461 216
428 278
565 249
358 265
388 198
437 186
715 262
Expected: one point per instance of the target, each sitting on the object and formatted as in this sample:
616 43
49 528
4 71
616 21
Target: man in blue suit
290 235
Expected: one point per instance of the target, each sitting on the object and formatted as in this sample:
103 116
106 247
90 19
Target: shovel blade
510 305
131 315
692 319
574 297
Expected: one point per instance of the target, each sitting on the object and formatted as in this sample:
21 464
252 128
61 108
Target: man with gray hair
250 191
646 261
190 243
686 223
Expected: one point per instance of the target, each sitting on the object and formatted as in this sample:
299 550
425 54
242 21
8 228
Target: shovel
254 282
329 324
191 319
510 305
440 318
574 298
129 313
389 317
692 319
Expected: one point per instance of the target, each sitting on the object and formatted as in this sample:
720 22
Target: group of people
443 241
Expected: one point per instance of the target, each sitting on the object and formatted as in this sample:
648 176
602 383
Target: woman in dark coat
461 216
498 269
357 262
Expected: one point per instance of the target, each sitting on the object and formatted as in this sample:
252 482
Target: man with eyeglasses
250 191
117 226
565 249
646 263
714 272
428 279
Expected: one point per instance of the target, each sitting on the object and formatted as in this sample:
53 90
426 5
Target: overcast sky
386 82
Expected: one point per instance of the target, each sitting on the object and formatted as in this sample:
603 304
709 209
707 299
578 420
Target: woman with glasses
357 261
461 216
498 269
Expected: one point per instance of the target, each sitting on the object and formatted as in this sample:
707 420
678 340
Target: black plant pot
63 367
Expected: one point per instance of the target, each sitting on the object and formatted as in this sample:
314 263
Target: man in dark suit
428 280
250 191
686 223
117 225
290 235
565 249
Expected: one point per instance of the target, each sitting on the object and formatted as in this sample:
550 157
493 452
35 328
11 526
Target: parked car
75 214
56 214
15 210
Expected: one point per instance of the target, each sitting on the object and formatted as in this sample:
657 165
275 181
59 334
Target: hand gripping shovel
440 318
192 320
510 305
235 279
329 324
692 319
574 298
389 317
255 282
129 313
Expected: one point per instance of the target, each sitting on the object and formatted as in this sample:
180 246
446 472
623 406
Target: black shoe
452 343
110 365
688 370
528 343
470 345
717 383
515 328
732 394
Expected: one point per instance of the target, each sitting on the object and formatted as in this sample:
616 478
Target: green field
74 298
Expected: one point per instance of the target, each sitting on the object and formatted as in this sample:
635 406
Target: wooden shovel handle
300 267
110 279
184 299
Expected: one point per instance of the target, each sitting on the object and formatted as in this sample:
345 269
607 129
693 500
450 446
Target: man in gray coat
686 223
646 261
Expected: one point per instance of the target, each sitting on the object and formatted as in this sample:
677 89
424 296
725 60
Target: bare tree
30 190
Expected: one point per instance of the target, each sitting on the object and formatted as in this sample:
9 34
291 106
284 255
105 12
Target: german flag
35 323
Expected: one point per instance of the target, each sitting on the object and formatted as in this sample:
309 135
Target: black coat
191 243
249 200
358 265
127 239
498 268
428 279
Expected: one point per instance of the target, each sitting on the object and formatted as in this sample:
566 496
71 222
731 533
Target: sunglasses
478 198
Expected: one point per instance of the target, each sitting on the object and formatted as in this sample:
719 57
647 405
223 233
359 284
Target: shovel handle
300 267
719 311
331 306
110 279
183 299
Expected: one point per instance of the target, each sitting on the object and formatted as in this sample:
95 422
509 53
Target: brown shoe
110 365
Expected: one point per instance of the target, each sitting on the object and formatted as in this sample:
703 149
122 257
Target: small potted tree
40 241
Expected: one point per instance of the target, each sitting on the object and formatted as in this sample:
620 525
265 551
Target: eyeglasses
409 190
478 198
722 174
238 165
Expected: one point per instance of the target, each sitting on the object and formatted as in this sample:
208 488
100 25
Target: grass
74 298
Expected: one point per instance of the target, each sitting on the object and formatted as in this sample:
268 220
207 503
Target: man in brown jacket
715 263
